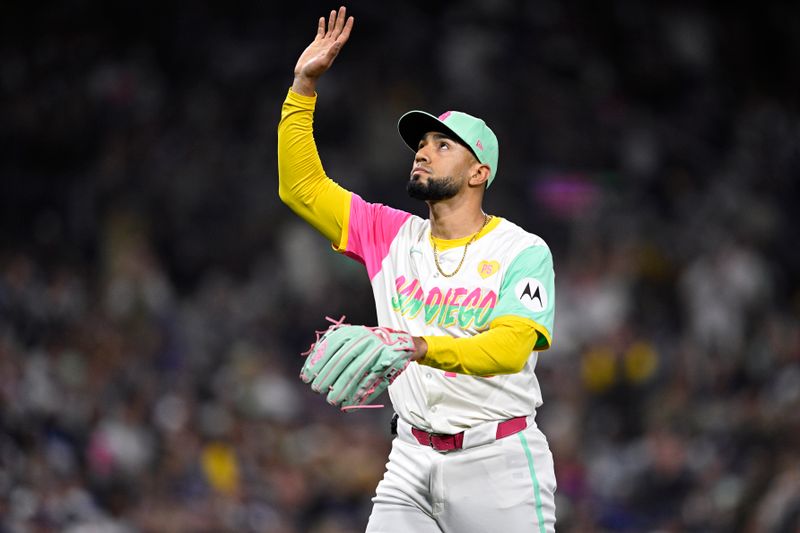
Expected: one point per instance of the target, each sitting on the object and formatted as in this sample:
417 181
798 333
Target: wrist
304 85
420 348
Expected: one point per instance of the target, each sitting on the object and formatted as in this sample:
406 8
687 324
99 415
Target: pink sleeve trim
371 230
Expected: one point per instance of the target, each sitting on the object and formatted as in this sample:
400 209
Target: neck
455 221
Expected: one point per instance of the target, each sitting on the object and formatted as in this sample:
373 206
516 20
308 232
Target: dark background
155 293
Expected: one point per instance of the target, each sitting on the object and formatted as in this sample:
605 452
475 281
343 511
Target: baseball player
469 298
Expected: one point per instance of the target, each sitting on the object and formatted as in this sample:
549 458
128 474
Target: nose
422 155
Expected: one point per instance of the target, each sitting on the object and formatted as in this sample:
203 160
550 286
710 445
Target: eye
444 145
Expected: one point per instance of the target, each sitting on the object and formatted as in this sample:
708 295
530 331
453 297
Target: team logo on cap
532 294
479 144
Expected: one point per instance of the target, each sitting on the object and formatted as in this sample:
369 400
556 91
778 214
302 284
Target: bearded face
441 168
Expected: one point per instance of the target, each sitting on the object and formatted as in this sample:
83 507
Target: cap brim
415 124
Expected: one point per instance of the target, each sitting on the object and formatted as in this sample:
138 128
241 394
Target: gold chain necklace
486 219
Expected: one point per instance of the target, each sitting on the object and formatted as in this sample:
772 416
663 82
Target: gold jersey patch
488 268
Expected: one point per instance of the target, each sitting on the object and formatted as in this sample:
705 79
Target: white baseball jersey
507 271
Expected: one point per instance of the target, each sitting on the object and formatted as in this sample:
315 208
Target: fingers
321 28
331 23
338 23
345 33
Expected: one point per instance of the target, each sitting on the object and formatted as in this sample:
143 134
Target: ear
479 175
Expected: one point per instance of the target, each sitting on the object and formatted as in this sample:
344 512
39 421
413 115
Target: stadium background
155 294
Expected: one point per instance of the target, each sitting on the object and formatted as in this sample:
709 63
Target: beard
433 190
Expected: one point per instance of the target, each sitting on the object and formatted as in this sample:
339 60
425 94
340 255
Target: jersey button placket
433 396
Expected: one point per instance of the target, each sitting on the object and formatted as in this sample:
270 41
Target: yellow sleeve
302 182
502 349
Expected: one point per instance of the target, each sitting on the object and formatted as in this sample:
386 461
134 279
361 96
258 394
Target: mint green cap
471 131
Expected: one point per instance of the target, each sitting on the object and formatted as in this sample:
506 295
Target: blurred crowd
155 295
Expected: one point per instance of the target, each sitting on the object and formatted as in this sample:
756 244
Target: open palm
319 55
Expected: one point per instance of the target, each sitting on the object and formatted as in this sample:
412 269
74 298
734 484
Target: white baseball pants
507 485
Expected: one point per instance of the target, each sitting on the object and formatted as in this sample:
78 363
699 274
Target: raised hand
319 55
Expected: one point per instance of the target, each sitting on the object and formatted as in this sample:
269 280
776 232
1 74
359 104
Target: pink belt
446 443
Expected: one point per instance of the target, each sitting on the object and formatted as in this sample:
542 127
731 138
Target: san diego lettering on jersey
467 307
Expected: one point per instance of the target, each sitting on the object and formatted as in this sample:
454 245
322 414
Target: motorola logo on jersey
532 294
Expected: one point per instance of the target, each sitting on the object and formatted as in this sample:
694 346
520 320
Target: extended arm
303 184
